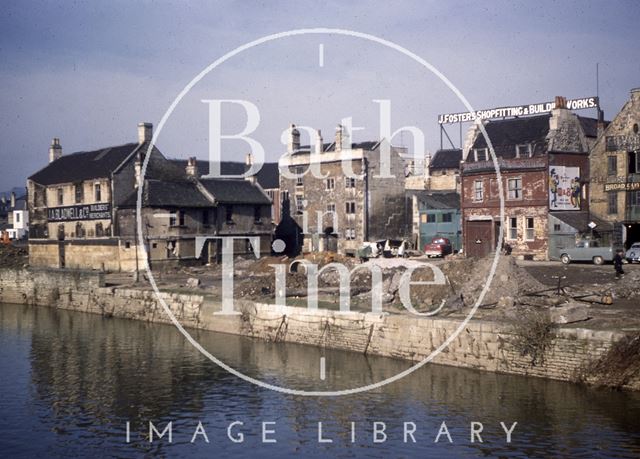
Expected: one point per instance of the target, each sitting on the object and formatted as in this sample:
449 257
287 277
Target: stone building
615 173
544 170
82 208
443 171
340 211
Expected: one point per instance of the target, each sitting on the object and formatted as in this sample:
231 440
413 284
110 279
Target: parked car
587 250
438 247
633 254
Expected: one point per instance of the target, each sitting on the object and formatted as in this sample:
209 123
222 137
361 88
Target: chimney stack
12 204
294 139
319 144
55 150
248 161
600 124
342 138
192 167
145 132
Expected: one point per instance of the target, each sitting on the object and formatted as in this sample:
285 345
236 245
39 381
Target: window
634 199
613 203
529 229
612 166
299 171
634 162
79 230
17 214
228 212
350 207
481 154
127 245
99 230
446 218
349 182
173 221
478 191
299 203
523 151
205 217
556 227
431 218
513 228
181 218
331 207
257 214
79 193
515 188
331 184
285 195
350 234
60 196
97 192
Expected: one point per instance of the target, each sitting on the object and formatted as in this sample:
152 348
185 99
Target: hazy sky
89 72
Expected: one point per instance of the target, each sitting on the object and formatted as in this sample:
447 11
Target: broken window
523 151
513 228
515 188
299 203
478 190
529 229
79 193
181 217
612 166
612 208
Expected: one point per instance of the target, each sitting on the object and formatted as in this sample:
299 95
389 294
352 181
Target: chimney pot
145 132
319 143
192 167
294 139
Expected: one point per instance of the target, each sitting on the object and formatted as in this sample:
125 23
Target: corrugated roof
439 199
580 220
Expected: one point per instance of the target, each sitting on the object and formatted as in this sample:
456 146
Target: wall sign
81 212
516 110
623 186
565 191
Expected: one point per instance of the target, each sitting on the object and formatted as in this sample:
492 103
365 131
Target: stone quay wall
481 345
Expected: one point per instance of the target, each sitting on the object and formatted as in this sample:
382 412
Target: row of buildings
563 176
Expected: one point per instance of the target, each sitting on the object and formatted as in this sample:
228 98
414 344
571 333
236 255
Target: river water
72 382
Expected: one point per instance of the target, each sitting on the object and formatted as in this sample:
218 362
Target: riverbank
561 353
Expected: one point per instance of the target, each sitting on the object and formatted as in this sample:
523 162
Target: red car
438 247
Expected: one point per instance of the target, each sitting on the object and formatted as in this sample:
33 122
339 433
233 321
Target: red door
478 239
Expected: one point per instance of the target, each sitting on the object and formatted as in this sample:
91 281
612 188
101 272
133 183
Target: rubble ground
515 287
13 257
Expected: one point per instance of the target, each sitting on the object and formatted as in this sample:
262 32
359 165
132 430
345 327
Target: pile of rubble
13 257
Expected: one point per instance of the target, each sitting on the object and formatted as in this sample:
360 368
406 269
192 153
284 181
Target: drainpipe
366 198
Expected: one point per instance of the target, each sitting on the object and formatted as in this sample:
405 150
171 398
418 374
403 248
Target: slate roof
590 126
446 159
268 177
229 191
160 193
85 165
506 134
580 220
21 204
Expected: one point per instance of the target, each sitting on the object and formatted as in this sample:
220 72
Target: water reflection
71 381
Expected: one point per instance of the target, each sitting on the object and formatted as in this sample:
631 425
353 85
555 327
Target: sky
88 72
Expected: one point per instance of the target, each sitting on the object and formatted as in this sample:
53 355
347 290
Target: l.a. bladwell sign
82 212
516 110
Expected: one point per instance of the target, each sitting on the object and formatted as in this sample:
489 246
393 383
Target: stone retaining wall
480 345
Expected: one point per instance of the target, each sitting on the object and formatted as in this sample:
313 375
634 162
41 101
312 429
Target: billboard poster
565 190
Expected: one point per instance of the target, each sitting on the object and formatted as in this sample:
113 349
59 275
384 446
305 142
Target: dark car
438 247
